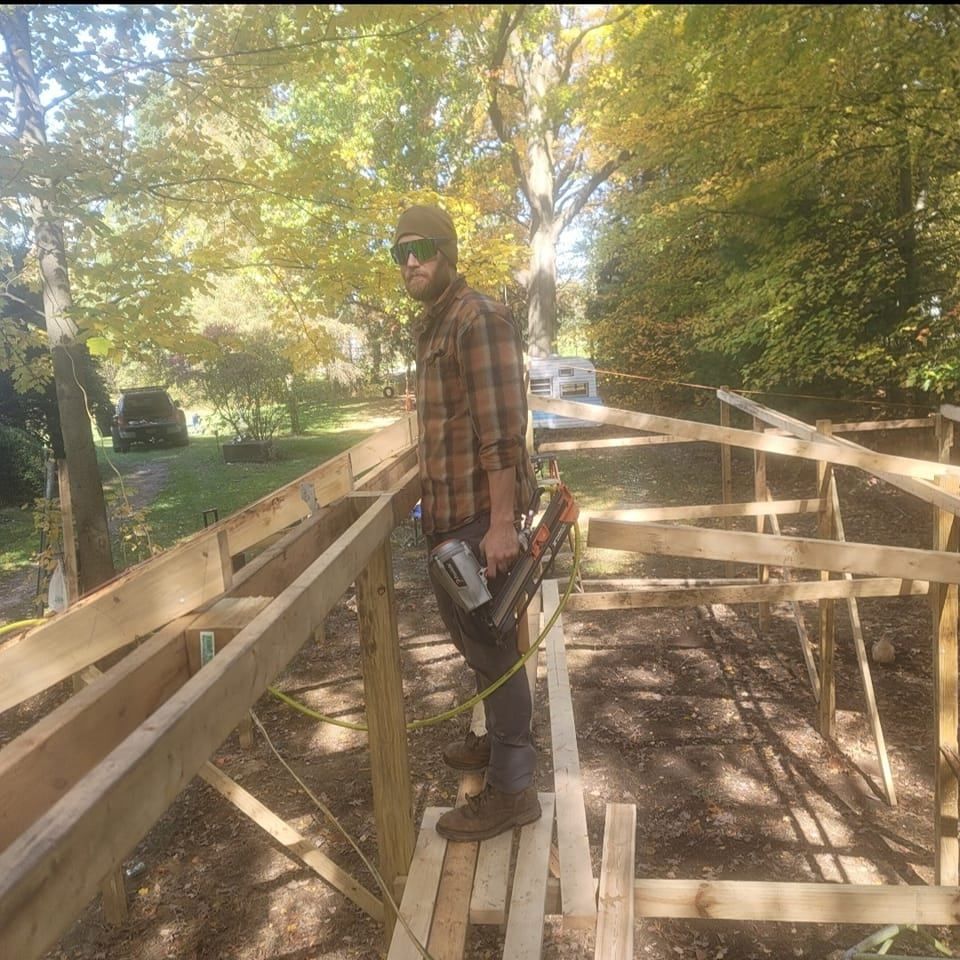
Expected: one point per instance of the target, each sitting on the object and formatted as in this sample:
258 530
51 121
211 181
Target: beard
425 288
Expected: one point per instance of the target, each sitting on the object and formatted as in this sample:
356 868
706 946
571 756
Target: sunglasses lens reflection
423 250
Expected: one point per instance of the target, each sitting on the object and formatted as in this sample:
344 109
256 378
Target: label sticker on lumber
207 648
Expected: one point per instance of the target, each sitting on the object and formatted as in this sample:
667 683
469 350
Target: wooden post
760 494
726 474
943 431
113 890
825 530
946 790
386 722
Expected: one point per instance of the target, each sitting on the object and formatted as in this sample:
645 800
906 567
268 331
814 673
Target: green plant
21 467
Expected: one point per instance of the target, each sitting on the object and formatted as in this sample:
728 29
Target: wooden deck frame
888 570
52 866
89 757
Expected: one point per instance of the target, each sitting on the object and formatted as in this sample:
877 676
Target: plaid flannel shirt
471 407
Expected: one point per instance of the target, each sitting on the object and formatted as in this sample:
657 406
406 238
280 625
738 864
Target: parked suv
147 415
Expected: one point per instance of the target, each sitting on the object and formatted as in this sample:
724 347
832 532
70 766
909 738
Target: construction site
732 740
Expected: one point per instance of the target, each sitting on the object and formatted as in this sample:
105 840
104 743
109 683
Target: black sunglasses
424 250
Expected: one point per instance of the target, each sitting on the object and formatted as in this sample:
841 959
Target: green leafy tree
246 380
791 211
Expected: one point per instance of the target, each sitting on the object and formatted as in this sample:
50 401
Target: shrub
21 467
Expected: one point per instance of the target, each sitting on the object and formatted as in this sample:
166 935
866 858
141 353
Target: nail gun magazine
462 576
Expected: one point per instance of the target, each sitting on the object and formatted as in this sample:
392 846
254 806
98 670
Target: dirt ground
694 715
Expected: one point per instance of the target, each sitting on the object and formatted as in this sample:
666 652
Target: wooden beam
151 594
451 912
135 604
726 476
646 597
615 919
923 489
420 890
653 514
798 552
298 845
329 481
863 662
797 902
848 455
760 494
866 426
49 872
524 936
806 647
946 801
573 841
386 720
49 758
827 702
271 570
559 446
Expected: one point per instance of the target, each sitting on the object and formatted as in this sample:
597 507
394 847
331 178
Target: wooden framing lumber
48 759
726 476
182 579
420 891
758 900
451 913
50 871
759 508
866 426
863 662
558 446
386 720
573 842
298 845
923 489
524 937
827 701
616 898
806 647
945 692
845 453
451 910
330 480
760 493
643 597
798 552
111 618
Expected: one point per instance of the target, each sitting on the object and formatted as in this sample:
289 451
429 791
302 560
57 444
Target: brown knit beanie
429 221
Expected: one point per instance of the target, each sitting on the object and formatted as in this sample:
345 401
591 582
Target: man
476 480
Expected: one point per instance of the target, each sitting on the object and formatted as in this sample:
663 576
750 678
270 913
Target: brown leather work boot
470 753
489 813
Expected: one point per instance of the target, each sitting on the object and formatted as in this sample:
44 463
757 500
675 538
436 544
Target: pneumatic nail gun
460 573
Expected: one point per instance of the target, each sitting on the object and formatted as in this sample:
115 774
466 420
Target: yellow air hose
483 694
21 625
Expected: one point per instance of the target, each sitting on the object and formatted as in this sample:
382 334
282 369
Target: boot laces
477 801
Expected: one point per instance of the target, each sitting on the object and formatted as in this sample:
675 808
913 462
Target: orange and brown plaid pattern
471 406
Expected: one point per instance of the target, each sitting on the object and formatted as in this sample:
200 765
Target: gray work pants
508 709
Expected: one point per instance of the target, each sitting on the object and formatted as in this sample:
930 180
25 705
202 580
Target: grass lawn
180 483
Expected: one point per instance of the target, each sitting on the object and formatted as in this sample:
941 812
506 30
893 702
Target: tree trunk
541 179
542 290
69 354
